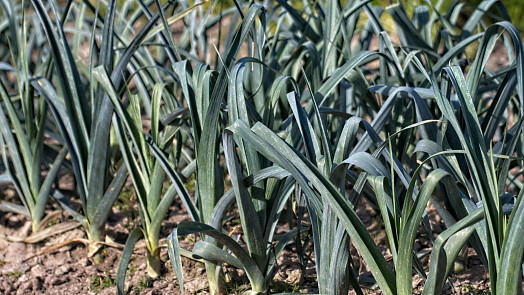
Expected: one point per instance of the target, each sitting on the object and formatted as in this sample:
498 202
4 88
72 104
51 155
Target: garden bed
67 270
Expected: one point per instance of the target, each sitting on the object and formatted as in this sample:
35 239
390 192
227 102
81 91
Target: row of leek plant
298 160
401 231
82 118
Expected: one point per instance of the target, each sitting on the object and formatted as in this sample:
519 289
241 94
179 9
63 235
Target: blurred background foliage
514 7
515 10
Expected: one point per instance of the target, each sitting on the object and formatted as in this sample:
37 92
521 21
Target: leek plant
147 173
478 207
259 261
84 127
204 90
23 121
85 120
488 158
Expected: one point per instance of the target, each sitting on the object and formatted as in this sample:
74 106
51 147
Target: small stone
415 283
3 285
159 284
54 281
62 270
38 271
23 278
8 290
25 287
83 262
14 219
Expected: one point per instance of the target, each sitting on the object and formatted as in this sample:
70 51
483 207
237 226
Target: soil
68 270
